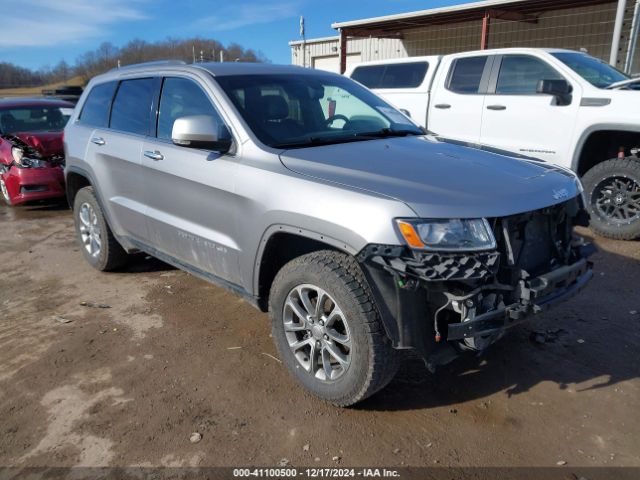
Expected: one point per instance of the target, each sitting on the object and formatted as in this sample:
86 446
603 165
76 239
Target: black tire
594 182
5 196
373 361
111 255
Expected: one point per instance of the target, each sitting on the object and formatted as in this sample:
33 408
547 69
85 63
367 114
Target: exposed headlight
448 235
17 155
25 162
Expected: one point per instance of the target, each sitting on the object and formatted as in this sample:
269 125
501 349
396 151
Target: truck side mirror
558 88
201 131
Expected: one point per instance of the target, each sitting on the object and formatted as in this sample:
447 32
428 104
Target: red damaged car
31 153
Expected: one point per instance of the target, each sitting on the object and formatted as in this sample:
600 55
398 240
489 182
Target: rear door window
397 75
95 111
131 110
466 74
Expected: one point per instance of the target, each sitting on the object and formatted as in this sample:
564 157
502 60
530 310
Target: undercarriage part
467 300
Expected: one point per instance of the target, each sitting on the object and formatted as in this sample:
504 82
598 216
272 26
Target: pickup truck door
189 191
517 119
458 97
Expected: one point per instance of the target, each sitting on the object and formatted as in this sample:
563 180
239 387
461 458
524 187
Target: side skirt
195 271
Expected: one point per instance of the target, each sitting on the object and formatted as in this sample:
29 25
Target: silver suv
312 198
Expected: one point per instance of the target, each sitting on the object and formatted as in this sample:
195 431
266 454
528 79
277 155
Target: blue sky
37 33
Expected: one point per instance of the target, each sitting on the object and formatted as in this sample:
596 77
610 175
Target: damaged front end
27 152
443 303
31 166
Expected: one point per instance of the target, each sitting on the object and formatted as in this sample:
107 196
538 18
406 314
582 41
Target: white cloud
59 22
236 16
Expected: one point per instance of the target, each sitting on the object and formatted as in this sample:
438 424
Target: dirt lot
127 385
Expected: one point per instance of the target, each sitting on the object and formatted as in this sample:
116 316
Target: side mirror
201 131
557 88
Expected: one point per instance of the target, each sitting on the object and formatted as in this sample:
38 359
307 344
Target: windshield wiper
353 137
315 141
388 132
622 83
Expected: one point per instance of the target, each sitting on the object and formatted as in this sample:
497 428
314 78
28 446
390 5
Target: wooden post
486 24
342 55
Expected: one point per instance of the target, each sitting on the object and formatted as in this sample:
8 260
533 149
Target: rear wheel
98 245
327 329
612 189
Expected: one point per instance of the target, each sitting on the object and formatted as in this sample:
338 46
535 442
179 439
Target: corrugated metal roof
315 40
462 12
431 11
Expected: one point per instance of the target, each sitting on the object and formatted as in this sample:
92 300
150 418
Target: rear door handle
443 106
155 155
496 107
98 141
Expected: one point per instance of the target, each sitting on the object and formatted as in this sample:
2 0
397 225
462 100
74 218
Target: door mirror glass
557 88
201 131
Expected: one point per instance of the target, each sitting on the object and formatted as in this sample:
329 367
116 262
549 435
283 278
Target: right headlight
448 235
18 155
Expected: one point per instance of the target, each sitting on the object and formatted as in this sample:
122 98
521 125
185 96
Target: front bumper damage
440 304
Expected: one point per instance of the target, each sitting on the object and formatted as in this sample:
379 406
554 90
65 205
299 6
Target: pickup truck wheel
328 330
5 192
612 189
98 245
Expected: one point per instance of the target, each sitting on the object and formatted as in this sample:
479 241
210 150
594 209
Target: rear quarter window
95 111
396 75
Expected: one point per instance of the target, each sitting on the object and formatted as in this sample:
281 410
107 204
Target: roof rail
149 64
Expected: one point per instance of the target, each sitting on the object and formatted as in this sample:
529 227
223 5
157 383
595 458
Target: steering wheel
333 118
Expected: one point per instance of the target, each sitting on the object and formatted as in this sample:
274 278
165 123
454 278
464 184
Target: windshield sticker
66 111
394 116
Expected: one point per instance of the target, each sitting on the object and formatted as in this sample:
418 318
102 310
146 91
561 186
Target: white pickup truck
561 106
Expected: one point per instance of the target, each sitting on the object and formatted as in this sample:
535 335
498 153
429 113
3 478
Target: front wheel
612 190
327 329
5 192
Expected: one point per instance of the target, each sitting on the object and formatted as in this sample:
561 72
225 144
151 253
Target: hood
438 179
46 143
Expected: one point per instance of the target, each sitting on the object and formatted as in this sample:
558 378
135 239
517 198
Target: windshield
594 71
34 119
300 110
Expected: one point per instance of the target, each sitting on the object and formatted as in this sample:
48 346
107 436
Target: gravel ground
172 356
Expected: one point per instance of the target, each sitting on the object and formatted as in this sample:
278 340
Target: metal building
607 29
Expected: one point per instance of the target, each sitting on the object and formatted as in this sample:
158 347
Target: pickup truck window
466 74
394 75
95 111
519 74
131 111
294 111
181 97
596 72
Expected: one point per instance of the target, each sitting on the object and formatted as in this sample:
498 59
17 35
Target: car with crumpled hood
363 236
31 152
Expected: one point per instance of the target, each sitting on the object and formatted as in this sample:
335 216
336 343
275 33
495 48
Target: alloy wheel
5 192
90 232
317 332
617 199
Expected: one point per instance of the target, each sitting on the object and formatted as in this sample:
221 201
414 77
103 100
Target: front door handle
496 107
443 106
155 155
98 141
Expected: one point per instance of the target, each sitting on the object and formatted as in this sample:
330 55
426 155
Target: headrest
274 107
